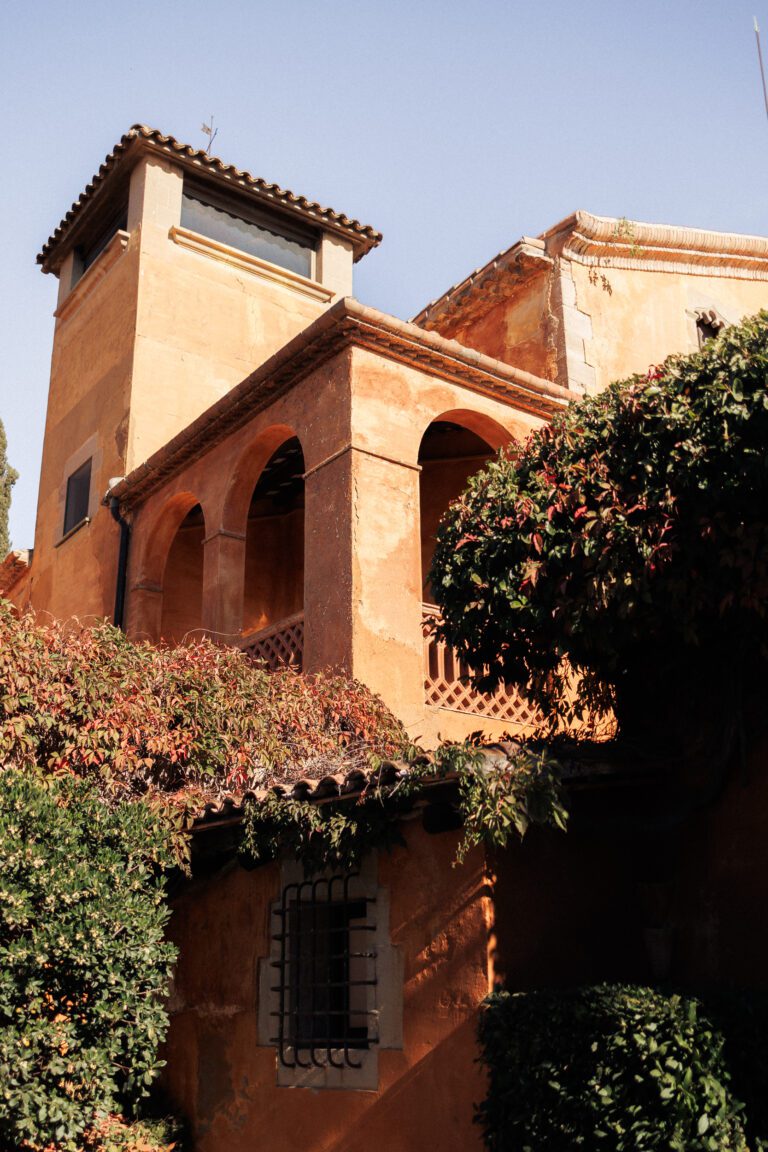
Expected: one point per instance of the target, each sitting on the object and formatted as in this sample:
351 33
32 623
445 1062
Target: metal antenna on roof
762 69
211 134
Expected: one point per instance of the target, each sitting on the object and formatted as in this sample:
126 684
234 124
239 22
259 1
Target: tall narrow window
327 974
78 497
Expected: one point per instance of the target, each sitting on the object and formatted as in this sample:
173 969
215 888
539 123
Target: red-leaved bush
196 720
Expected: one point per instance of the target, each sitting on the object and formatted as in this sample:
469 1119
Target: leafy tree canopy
8 477
626 543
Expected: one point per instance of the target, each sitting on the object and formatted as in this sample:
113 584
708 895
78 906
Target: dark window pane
232 230
707 331
321 945
78 494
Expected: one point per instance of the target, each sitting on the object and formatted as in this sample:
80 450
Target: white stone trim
384 1001
204 246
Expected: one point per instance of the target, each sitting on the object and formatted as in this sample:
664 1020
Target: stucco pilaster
223 585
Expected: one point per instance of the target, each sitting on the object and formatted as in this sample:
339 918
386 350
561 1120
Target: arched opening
274 543
449 454
453 448
182 580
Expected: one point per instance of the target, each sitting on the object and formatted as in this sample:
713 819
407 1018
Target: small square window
78 497
327 974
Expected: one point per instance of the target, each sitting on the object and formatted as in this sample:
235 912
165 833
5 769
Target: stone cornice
487 285
347 324
611 243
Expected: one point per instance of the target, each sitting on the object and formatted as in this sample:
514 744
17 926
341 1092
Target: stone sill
105 261
75 528
195 242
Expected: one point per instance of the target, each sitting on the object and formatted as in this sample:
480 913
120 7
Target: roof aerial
140 139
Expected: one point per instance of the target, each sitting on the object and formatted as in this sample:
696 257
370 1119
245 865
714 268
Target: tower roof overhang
140 141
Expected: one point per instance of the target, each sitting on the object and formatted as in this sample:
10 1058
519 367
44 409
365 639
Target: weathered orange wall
440 483
642 317
518 329
220 1078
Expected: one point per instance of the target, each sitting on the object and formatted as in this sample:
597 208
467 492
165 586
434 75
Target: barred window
326 968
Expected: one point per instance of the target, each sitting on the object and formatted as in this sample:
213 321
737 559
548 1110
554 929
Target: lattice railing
280 645
447 684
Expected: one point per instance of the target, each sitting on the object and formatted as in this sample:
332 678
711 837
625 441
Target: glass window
247 236
78 497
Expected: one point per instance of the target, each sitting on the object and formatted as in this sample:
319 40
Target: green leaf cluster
612 1067
495 802
84 963
624 544
8 477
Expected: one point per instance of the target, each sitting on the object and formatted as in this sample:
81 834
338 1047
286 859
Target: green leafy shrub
84 965
627 543
741 1015
618 1068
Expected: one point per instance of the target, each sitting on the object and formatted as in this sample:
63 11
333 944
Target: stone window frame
224 200
89 450
706 314
385 998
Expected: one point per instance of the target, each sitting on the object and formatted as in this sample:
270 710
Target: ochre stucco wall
219 1076
518 329
647 316
87 405
360 420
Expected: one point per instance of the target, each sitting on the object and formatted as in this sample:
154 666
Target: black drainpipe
122 561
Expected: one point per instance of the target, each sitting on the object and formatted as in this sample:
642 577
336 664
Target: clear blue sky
454 128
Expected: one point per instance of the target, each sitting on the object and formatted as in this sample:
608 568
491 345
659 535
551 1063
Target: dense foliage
626 543
494 802
201 718
8 477
617 1068
84 963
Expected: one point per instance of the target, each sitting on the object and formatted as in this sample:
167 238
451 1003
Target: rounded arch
159 535
267 498
453 447
245 475
172 564
485 427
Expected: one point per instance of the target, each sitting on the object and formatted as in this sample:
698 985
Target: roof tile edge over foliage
140 137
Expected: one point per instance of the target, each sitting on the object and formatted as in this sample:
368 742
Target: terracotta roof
140 139
590 771
15 565
346 323
610 242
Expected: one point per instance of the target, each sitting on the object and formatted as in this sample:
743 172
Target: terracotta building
235 446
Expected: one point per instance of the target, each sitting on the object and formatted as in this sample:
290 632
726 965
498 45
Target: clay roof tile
142 138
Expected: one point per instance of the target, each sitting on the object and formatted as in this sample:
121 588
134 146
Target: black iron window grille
327 974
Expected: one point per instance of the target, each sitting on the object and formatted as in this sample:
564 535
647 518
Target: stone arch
159 536
265 502
454 446
182 581
245 475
